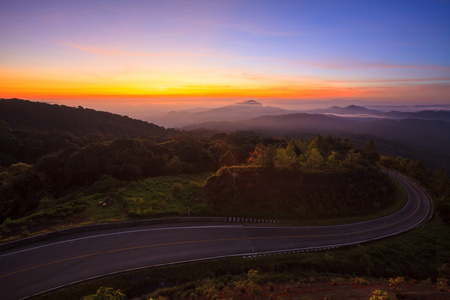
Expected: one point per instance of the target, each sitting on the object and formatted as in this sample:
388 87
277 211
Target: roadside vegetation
154 197
415 263
301 196
115 169
321 181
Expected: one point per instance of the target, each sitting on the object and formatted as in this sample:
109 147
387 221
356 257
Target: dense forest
50 151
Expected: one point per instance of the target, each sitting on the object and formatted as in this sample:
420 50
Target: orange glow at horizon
170 52
15 84
55 90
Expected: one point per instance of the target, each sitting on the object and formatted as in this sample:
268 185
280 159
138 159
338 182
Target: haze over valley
420 134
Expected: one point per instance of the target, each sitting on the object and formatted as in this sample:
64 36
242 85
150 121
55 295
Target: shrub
249 284
105 293
379 295
442 285
177 187
360 281
394 284
24 231
134 206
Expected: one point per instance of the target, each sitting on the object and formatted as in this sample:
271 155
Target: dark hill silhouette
23 114
436 115
359 111
235 112
351 109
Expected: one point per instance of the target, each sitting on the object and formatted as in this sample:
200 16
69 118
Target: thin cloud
106 51
258 31
245 28
350 65
114 52
393 80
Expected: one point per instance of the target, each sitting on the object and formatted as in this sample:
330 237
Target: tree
317 142
83 167
370 153
227 159
263 156
130 172
267 158
333 159
314 160
255 154
174 166
352 158
286 157
190 154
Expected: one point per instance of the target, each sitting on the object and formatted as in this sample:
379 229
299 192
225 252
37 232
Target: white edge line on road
217 226
137 269
121 232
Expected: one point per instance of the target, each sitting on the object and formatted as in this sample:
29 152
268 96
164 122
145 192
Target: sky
164 54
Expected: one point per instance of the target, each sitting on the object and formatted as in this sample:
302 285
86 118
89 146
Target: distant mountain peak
249 102
356 107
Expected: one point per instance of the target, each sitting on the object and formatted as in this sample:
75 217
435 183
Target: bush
379 295
177 188
361 281
106 293
395 284
133 206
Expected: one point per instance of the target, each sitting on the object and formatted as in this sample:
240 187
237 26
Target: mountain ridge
234 112
25 114
250 109
428 140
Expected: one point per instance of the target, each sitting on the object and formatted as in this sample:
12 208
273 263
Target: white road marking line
121 232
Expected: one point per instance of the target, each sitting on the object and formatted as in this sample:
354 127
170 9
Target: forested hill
23 114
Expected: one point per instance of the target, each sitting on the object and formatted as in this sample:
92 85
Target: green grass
156 197
163 196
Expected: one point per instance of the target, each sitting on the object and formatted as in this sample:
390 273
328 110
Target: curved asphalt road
32 269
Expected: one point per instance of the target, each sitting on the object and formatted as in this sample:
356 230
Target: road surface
45 265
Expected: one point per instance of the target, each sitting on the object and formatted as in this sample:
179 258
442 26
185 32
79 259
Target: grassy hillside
163 196
281 194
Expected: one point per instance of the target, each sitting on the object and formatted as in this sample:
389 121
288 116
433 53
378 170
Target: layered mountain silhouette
359 111
235 112
250 109
423 135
